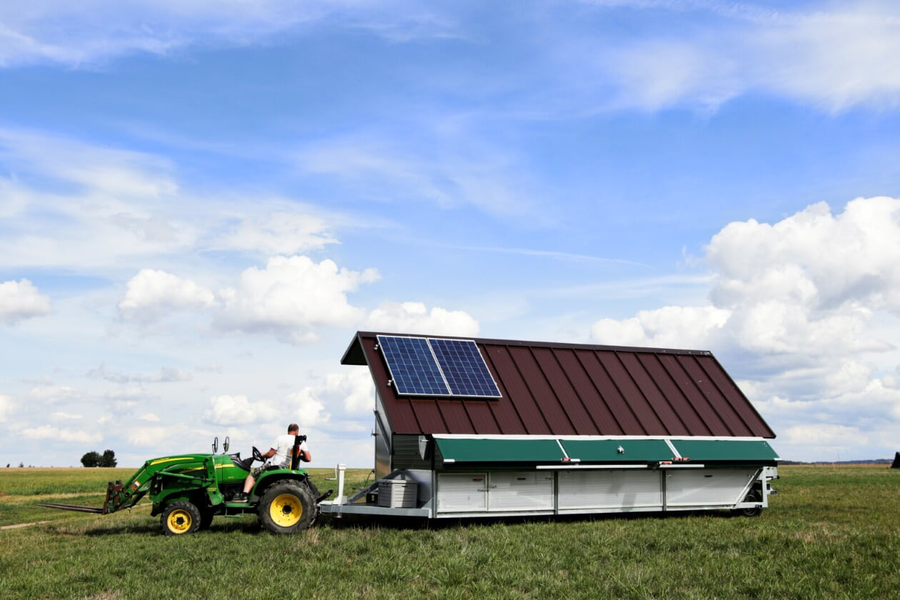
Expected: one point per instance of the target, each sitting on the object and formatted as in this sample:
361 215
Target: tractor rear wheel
180 518
287 507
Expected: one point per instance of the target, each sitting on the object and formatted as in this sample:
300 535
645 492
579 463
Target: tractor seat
241 464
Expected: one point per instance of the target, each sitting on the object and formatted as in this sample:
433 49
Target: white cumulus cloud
414 317
53 393
237 410
20 300
62 434
151 294
291 296
6 407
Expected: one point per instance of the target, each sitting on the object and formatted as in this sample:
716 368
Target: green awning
461 450
618 450
726 450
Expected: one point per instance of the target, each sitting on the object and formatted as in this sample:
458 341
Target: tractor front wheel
180 518
287 507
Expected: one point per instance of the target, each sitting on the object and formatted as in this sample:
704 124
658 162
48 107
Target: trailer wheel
180 518
753 496
287 507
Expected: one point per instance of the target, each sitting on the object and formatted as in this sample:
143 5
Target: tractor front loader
188 490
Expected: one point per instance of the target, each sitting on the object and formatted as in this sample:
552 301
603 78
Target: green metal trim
499 451
618 451
726 450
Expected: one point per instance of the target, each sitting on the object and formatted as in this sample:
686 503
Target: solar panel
464 368
412 366
437 367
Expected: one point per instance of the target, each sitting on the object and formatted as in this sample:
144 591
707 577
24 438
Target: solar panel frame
407 360
456 369
464 368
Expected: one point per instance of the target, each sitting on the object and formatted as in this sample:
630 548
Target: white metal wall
607 490
707 487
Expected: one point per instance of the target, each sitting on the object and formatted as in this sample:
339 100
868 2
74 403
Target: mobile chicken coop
482 427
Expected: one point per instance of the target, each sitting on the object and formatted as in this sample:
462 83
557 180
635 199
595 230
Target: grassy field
830 533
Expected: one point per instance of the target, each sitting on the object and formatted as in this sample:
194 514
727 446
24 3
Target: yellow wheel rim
179 521
286 510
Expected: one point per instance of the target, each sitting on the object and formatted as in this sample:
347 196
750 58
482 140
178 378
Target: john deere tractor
188 490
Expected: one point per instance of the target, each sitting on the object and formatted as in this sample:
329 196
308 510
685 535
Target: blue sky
201 202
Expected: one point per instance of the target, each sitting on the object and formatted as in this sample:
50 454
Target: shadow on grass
412 523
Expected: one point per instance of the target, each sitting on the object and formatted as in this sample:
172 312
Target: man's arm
305 456
270 453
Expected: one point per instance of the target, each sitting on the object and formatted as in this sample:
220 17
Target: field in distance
830 532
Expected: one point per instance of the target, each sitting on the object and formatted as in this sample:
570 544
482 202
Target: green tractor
188 490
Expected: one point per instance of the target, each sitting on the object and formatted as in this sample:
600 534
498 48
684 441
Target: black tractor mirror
216 445
226 444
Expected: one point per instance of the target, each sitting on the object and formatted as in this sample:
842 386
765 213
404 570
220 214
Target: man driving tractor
278 456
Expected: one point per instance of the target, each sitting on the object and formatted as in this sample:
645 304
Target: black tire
180 518
206 518
753 496
312 489
287 507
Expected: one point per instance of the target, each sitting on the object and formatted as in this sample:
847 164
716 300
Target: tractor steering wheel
257 455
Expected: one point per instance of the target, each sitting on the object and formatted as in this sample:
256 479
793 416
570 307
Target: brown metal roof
577 389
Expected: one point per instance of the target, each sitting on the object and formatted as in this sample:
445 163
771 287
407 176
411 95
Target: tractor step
87 509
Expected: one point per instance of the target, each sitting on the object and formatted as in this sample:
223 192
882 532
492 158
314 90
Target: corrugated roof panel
609 393
692 394
722 407
645 383
456 417
565 393
673 394
547 401
735 397
518 393
429 416
600 418
504 411
482 417
650 422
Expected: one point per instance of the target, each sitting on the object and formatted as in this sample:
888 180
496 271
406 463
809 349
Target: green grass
830 533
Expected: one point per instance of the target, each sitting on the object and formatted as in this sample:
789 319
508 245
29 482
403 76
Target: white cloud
308 408
64 416
62 434
53 393
73 201
291 296
670 327
151 294
834 59
353 389
149 417
824 435
6 407
165 375
280 233
414 317
237 410
97 30
20 300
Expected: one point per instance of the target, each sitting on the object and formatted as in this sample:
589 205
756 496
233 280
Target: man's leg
248 485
